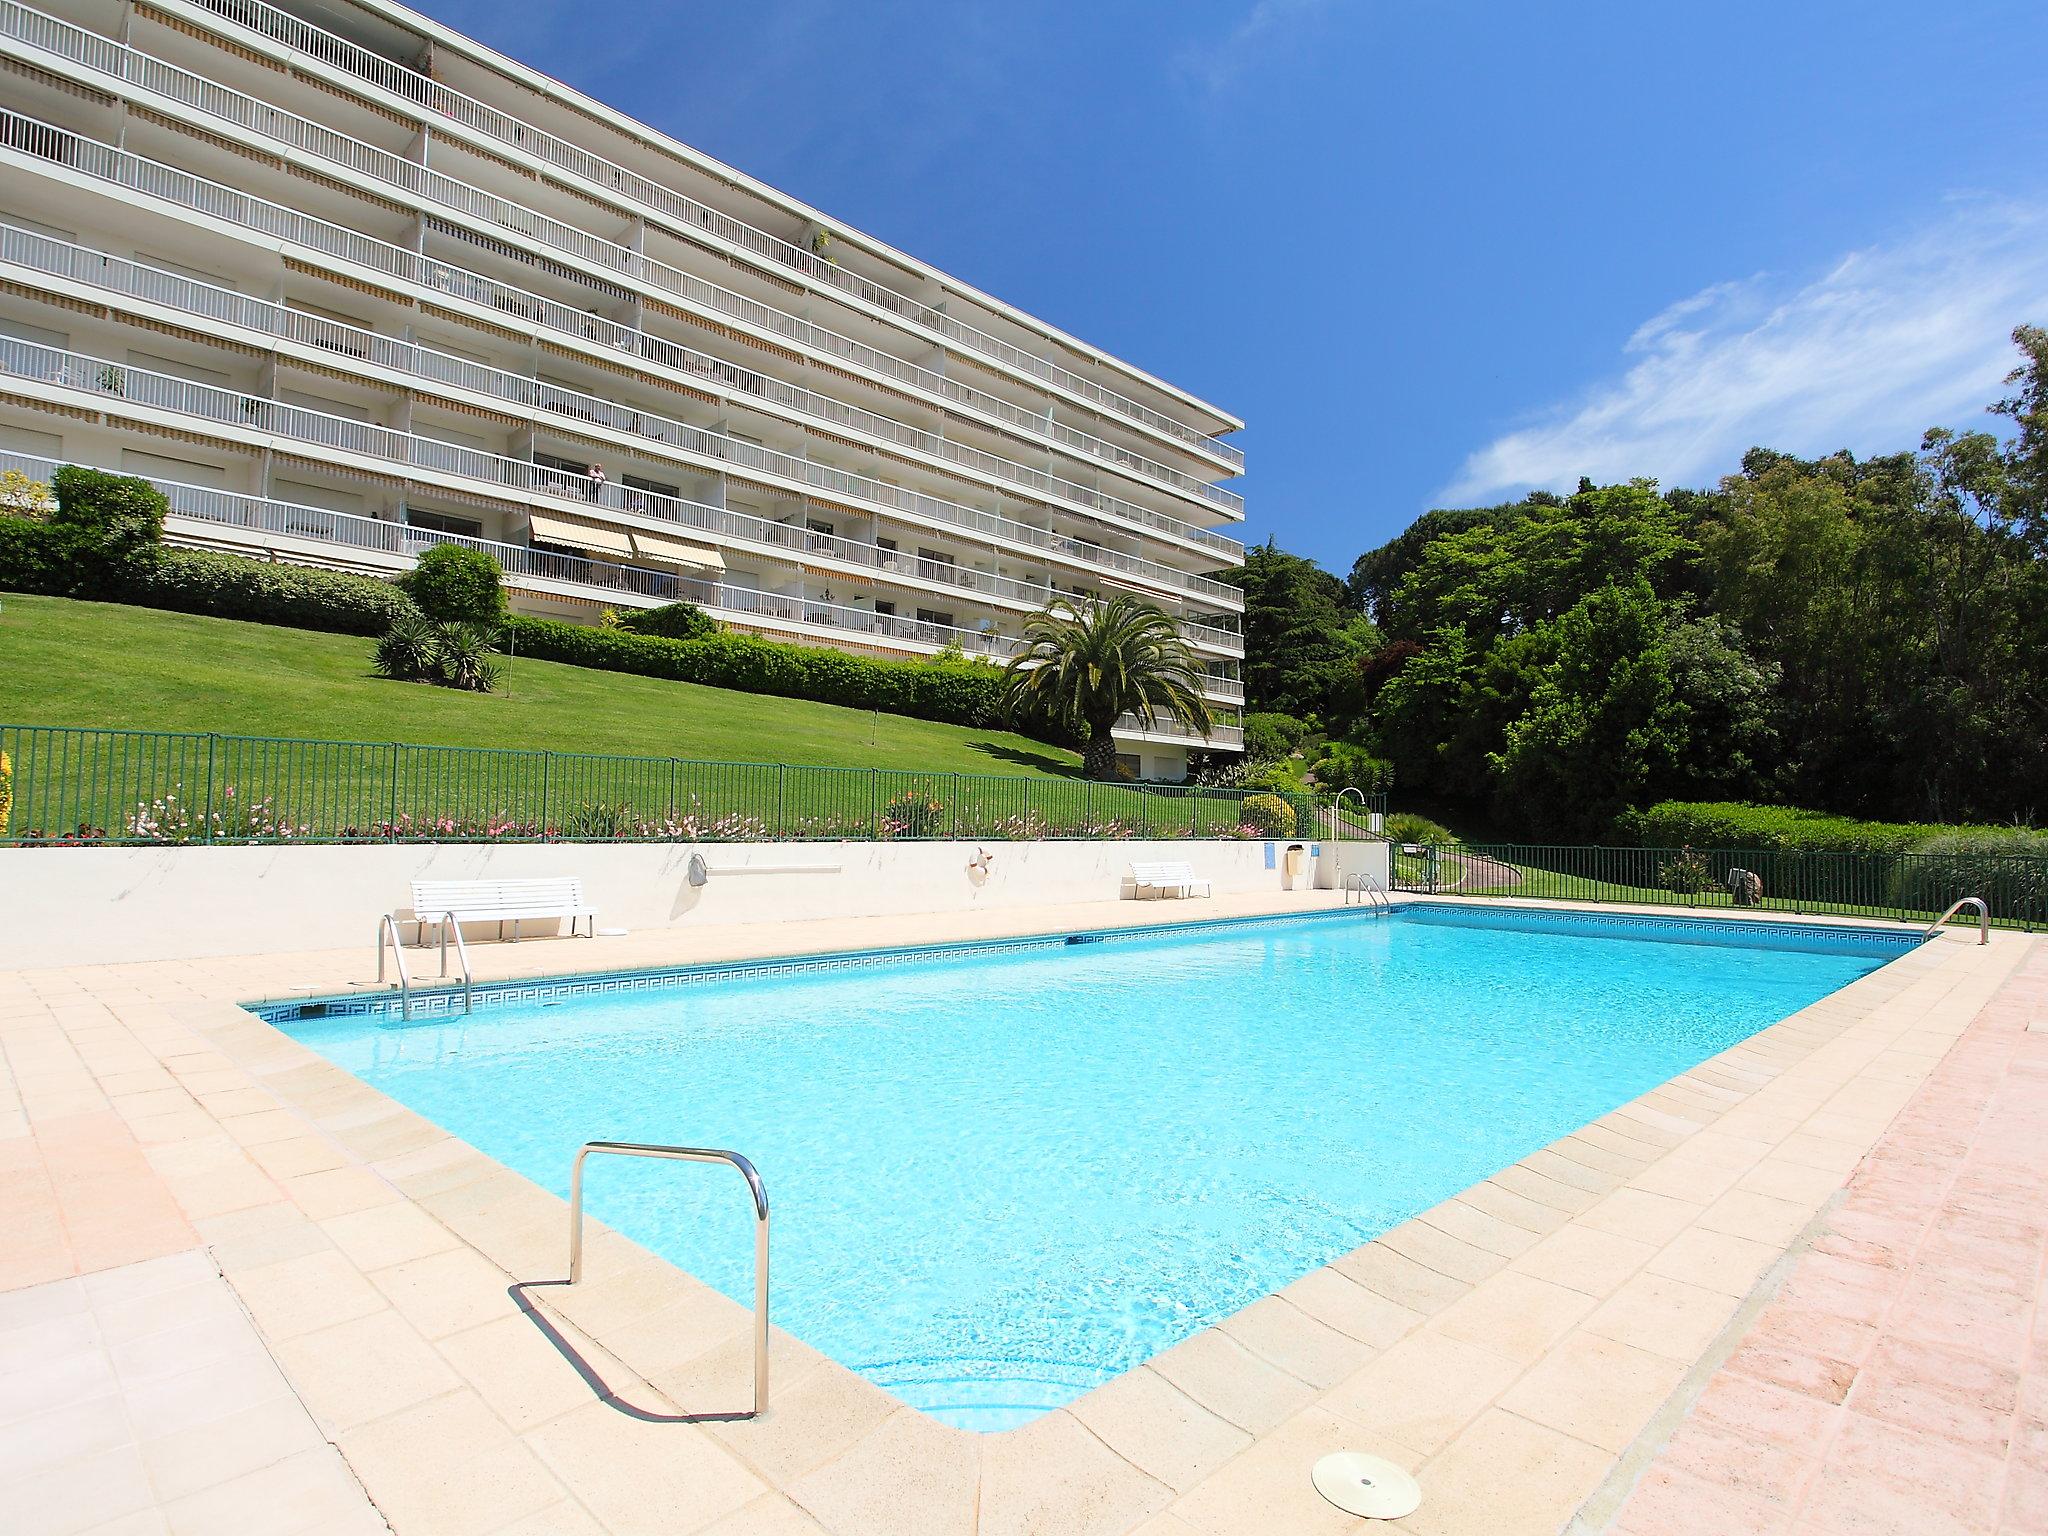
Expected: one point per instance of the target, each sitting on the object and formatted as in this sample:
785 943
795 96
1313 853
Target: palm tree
1083 667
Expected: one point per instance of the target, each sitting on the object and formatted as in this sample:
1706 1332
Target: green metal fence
1905 886
76 786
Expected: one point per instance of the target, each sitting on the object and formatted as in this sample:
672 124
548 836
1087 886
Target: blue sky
1433 253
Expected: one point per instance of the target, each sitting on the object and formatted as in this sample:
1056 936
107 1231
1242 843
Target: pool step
985 1395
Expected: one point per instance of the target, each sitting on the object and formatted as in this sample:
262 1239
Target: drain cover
1366 1485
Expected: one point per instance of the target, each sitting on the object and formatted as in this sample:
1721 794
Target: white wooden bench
1167 878
501 902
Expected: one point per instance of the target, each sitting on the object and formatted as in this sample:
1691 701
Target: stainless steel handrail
388 925
1368 890
1983 918
449 925
689 1155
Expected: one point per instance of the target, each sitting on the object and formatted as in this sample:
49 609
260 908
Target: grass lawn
655 758
99 664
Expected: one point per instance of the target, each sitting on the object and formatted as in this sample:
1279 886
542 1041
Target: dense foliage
1865 637
956 692
417 649
457 585
1083 668
671 621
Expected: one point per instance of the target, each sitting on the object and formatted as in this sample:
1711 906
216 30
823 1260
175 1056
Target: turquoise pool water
1000 1178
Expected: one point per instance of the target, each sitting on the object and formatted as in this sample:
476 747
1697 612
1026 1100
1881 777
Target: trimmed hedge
222 586
957 693
1732 824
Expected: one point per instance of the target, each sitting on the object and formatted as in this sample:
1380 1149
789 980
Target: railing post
781 793
547 760
874 805
1091 807
391 822
206 826
671 791
953 811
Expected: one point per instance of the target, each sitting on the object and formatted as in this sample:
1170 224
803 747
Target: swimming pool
1003 1174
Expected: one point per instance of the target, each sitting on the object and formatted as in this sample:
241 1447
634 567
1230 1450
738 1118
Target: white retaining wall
79 906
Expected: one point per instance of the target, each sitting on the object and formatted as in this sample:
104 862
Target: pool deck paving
1638 1326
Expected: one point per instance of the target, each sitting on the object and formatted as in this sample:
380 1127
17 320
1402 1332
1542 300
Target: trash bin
1293 866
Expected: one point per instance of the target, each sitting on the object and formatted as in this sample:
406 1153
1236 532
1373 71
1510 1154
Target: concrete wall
79 906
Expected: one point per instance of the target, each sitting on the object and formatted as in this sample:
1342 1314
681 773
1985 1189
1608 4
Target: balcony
590 331
1171 729
212 307
264 419
438 103
127 65
541 570
259 415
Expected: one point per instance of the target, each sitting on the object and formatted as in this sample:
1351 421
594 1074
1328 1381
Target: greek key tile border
440 1001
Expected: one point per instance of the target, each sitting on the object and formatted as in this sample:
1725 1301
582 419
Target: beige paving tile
1506 1476
906 1463
1663 1315
1267 1487
1584 1258
190 1461
1330 1297
1231 1382
446 1293
1425 1389
313 1486
1278 1332
1595 1389
295 1296
1053 1475
479 1477
1158 1428
364 1369
384 1235
639 1476
1715 1261
816 1414
1513 1315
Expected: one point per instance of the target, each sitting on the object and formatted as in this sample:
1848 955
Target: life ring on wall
982 864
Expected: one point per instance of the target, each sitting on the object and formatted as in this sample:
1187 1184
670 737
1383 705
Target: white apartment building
345 284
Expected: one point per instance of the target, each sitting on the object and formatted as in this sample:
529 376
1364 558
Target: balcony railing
133 67
99 269
91 158
740 455
255 413
524 566
442 101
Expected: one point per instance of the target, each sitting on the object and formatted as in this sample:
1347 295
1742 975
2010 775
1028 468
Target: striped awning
580 533
663 550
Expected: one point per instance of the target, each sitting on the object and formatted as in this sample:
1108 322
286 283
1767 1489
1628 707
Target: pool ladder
387 934
1983 918
688 1155
1369 890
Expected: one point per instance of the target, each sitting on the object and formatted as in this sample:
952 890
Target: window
442 522
934 616
156 466
886 610
935 557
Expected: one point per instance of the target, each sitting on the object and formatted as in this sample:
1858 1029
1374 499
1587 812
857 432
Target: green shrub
108 523
671 621
600 822
408 650
416 649
914 813
1407 827
1731 824
958 693
1268 814
465 654
457 585
29 557
1269 735
1344 765
1687 873
231 587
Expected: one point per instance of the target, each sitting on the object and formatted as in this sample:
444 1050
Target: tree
1304 646
1085 667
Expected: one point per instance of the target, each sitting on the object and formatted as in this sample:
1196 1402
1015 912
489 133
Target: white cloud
1217 64
1892 340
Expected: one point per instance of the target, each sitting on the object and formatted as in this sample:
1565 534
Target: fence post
781 792
391 821
1091 807
953 818
206 826
672 791
546 790
874 805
